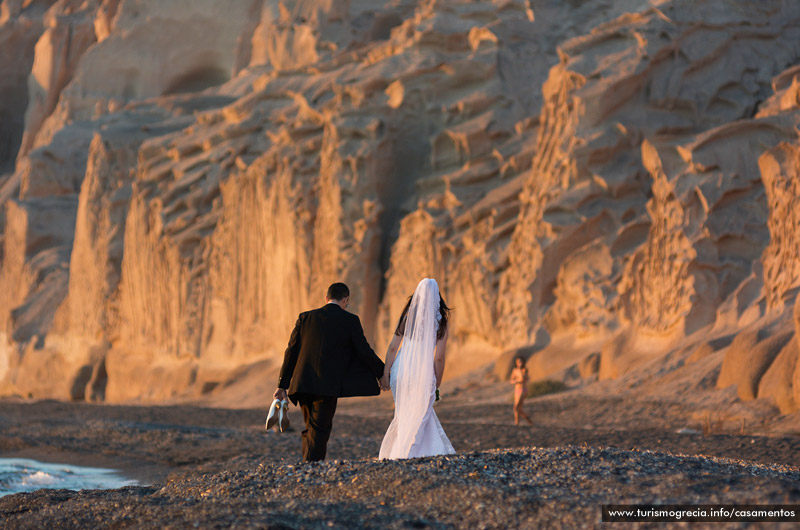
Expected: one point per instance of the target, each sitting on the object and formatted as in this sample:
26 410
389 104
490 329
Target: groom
328 357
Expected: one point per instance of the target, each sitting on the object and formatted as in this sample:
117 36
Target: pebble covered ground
215 468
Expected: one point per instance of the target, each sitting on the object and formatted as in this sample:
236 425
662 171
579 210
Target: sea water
21 474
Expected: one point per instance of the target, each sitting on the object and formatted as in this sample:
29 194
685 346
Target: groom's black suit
328 357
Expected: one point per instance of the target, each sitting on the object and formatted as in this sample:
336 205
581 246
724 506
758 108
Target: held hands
280 394
384 382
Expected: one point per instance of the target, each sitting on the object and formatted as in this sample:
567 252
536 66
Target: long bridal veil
415 382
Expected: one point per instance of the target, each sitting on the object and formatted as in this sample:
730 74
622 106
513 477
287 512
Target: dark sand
217 468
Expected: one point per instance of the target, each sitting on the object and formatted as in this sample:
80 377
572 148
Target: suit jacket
328 355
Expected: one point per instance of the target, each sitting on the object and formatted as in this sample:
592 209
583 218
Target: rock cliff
595 184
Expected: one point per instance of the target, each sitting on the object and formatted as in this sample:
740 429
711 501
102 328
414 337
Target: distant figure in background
414 373
519 378
328 357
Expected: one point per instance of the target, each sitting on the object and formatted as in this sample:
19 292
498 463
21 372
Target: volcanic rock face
581 177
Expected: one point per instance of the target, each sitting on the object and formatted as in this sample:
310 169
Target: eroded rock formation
191 175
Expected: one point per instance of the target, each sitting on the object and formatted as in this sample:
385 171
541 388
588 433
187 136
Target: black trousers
318 414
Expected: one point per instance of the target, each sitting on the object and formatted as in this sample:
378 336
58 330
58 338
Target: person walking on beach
519 378
328 357
414 374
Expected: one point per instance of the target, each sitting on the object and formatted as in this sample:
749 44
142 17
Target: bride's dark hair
443 310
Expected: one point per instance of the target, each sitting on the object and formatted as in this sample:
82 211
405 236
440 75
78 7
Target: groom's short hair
338 291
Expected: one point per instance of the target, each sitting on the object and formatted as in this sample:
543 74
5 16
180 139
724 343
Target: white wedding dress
415 429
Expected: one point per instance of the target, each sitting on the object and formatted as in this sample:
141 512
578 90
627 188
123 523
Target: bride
414 373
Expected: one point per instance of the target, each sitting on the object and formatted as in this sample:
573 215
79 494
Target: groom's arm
364 350
290 355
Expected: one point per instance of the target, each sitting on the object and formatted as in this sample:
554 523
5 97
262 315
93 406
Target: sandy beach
212 467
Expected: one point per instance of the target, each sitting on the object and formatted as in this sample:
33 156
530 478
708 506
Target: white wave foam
40 479
21 475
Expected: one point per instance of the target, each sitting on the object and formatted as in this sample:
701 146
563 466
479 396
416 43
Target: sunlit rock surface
597 185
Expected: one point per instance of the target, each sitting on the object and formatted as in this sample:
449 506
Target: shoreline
144 473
